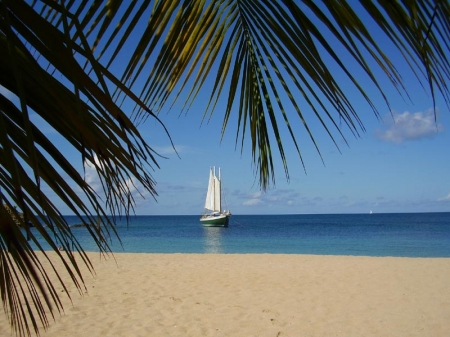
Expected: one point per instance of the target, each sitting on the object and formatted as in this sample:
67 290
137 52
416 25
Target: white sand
258 295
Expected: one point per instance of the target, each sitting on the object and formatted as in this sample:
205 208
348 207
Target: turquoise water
408 235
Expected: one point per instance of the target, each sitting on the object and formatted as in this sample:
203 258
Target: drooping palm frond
274 63
82 65
48 64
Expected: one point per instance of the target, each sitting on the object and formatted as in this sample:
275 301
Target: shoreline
183 294
114 253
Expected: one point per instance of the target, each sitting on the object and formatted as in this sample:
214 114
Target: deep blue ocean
402 234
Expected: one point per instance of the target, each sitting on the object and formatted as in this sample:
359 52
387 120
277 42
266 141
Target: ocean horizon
377 234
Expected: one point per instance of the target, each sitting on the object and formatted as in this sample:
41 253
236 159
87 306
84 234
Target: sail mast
214 189
220 191
216 192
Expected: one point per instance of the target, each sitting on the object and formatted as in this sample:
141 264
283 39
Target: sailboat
214 215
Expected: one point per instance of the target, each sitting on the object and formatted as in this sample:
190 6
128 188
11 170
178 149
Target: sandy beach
257 295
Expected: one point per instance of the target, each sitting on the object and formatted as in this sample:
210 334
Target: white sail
216 194
209 202
213 195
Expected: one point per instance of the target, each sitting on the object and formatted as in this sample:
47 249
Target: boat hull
214 220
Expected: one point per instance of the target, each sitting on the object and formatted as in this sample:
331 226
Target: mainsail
213 202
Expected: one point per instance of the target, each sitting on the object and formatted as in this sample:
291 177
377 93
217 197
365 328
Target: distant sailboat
370 212
214 215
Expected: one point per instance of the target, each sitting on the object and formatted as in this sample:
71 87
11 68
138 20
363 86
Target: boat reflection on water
213 240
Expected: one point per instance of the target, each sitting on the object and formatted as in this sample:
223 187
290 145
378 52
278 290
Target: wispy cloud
408 126
91 176
446 198
166 150
252 202
131 184
272 198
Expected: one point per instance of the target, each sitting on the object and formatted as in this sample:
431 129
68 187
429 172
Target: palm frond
290 48
52 70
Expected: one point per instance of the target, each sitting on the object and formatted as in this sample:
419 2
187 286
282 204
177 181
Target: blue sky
399 164
392 167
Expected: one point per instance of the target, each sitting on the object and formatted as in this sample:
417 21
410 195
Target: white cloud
166 150
446 198
258 194
271 199
255 199
131 184
409 126
91 177
252 202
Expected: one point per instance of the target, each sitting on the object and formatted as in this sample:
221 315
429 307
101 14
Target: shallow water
406 234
